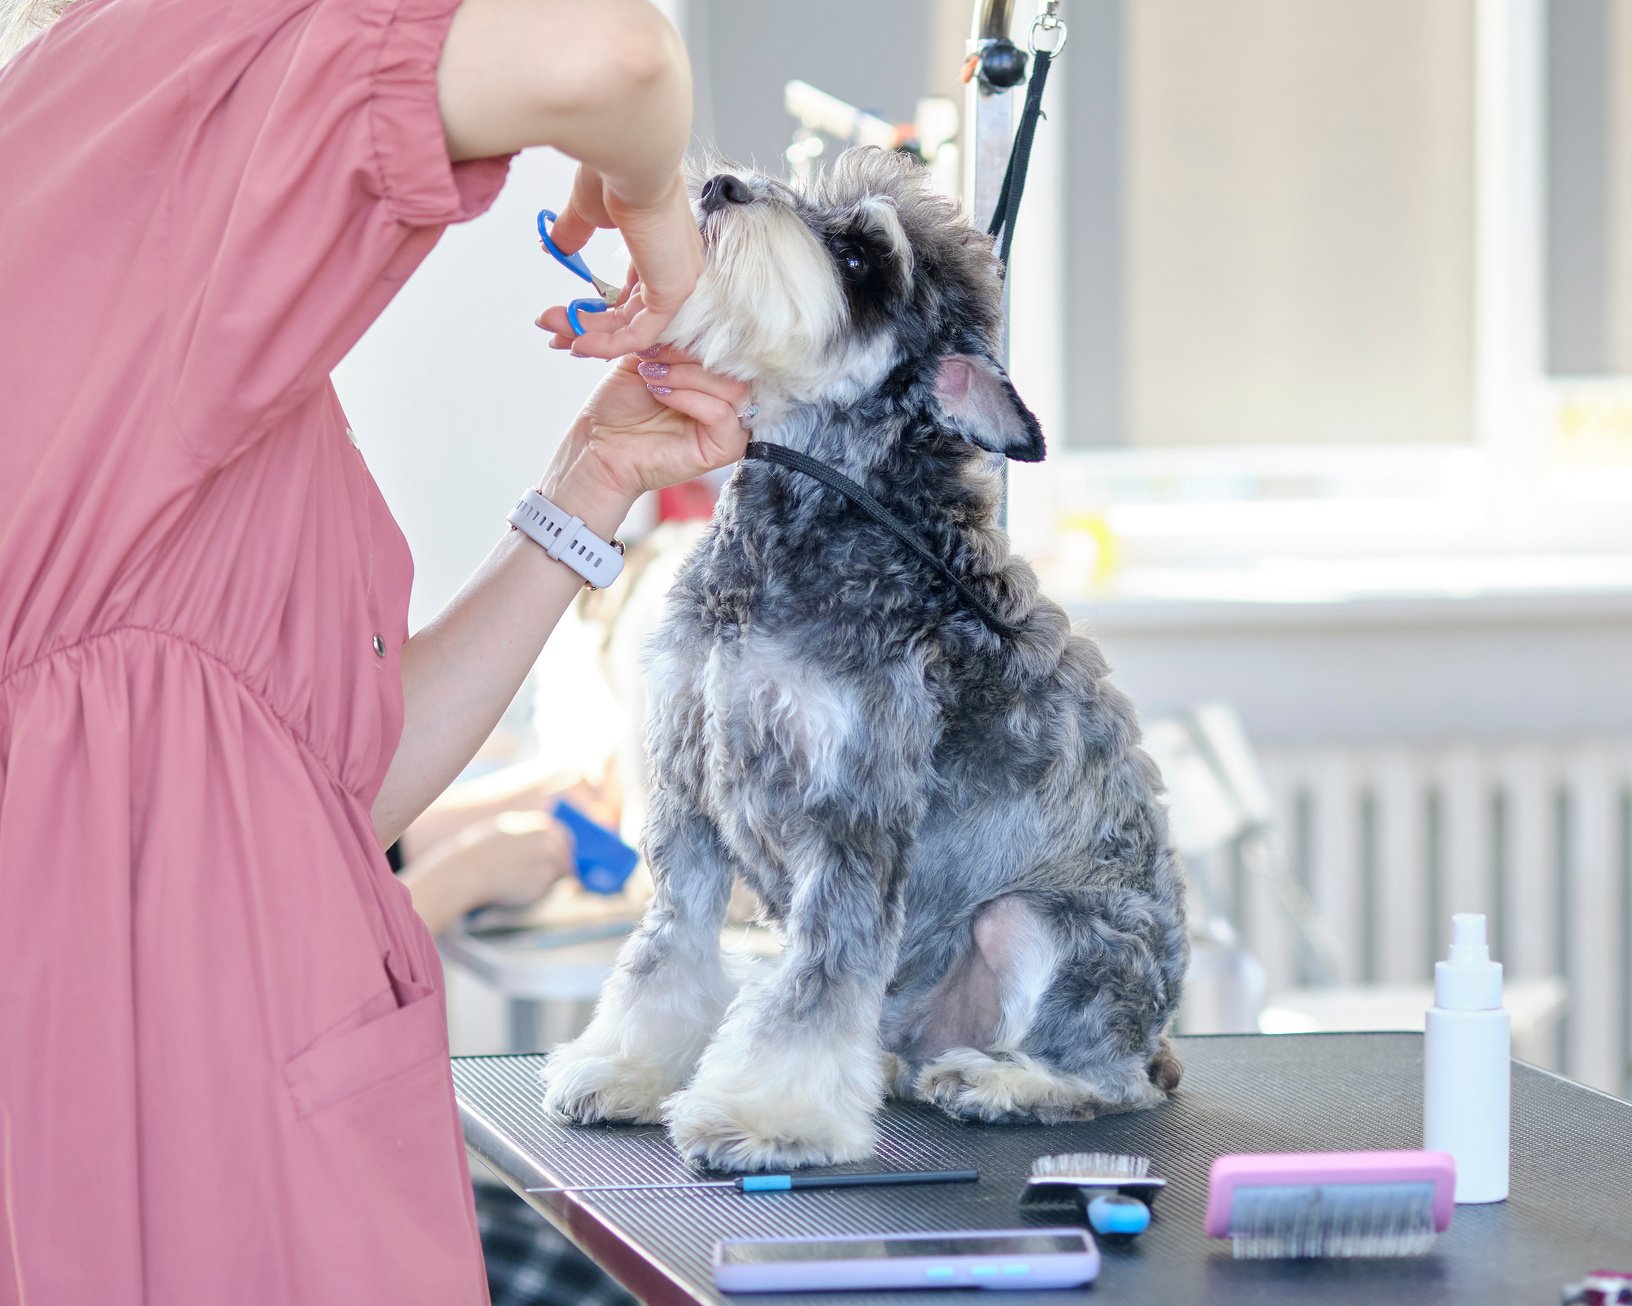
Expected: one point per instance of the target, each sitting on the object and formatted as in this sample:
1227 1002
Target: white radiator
1389 842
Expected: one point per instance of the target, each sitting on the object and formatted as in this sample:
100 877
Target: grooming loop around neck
761 451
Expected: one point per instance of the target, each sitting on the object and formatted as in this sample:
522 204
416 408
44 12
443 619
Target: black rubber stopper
1003 65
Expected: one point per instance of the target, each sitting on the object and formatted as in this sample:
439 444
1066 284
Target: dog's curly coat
958 832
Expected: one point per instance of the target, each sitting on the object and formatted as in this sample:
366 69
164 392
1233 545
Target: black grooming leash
1010 62
858 495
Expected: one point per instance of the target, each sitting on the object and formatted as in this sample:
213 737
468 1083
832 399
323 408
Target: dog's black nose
722 189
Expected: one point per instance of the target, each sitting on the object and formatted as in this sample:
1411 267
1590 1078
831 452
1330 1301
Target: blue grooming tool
602 860
1114 1192
574 263
1116 1217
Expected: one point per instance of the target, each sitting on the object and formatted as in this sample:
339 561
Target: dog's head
866 277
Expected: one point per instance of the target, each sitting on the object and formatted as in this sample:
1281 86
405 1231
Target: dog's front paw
737 1131
586 1085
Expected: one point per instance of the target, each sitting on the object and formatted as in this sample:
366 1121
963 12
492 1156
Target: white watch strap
566 539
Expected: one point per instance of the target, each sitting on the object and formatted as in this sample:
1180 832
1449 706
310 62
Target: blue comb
602 860
574 263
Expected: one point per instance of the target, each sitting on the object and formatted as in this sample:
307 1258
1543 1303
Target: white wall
454 395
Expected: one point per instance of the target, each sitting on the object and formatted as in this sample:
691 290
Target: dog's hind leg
669 989
1084 1009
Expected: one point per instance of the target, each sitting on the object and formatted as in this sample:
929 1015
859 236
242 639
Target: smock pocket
388 1036
385 1200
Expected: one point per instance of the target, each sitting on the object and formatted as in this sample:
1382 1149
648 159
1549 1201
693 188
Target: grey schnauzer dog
955 827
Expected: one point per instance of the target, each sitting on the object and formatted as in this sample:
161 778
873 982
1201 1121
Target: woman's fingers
599 326
664 376
668 371
602 331
584 212
626 329
666 258
554 320
721 438
666 253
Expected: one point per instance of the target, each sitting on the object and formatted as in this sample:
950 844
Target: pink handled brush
1300 1204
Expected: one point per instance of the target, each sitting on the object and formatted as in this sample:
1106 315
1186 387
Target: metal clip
1049 21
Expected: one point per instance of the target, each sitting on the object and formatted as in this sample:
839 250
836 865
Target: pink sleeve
314 180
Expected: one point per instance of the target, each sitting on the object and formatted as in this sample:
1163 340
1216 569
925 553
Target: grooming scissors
610 294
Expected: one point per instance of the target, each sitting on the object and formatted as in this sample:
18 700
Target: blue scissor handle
583 306
574 263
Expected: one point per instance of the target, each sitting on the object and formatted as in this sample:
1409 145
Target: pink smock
223 1051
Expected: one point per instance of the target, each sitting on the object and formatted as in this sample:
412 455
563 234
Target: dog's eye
852 259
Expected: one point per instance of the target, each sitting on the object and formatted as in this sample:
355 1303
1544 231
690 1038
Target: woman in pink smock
223 1056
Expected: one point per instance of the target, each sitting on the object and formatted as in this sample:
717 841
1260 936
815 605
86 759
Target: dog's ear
877 219
977 401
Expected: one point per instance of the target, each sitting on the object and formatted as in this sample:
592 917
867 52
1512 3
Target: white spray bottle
1467 1065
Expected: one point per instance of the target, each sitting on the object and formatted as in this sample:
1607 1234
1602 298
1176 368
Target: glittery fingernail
652 351
661 390
653 371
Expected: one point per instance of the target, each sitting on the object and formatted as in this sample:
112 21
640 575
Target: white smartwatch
566 539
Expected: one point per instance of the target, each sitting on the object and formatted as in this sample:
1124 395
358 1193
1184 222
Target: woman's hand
520 856
654 420
636 433
509 859
664 247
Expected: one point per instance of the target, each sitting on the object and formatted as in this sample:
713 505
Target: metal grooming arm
990 112
988 132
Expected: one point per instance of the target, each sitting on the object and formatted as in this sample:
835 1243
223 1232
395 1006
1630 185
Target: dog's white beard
767 302
768 309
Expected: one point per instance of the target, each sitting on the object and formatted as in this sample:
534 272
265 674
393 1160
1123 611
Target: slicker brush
1330 1204
1114 1191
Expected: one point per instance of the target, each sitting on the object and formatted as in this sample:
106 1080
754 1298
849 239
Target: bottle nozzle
1468 979
1468 938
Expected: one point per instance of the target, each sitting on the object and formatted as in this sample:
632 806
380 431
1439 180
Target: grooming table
1569 1212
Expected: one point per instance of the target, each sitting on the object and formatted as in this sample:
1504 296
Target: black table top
1569 1212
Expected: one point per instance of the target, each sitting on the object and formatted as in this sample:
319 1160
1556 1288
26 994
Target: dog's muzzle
723 189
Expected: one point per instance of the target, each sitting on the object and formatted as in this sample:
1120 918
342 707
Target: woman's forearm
462 670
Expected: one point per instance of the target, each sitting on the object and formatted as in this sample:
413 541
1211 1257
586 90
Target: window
1338 280
1316 261
1284 224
